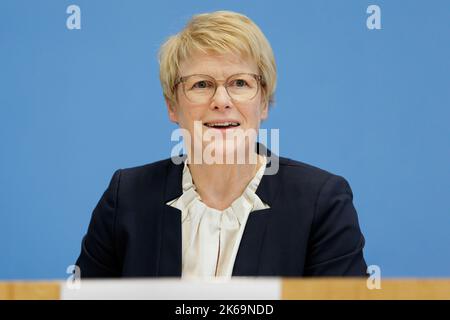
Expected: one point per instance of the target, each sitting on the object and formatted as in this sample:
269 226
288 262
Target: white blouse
211 237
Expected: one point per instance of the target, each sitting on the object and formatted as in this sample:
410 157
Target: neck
220 184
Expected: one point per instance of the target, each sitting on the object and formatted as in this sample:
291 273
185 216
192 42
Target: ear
171 111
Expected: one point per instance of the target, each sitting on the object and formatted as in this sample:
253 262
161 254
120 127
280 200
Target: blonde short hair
218 32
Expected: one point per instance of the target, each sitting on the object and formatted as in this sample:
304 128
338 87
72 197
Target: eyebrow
206 74
211 74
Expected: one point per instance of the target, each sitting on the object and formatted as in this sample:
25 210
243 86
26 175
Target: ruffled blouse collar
246 203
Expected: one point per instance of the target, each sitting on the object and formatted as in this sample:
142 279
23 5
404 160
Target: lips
222 124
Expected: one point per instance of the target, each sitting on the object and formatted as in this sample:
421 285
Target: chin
231 152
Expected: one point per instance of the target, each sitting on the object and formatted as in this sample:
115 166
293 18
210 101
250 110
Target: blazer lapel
170 230
248 257
248 260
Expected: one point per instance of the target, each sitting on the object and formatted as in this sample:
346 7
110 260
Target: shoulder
144 178
153 169
304 177
304 169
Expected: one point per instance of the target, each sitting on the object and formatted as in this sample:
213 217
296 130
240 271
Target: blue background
370 105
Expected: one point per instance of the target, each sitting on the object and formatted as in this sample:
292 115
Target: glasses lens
199 88
242 87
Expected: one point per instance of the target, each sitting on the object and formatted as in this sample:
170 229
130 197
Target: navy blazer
310 229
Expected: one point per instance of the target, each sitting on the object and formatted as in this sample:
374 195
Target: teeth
222 124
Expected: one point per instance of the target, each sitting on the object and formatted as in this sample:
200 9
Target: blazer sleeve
336 242
98 257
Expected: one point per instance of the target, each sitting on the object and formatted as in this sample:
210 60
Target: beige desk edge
308 289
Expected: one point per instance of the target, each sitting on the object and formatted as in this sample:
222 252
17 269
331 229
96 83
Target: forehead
219 66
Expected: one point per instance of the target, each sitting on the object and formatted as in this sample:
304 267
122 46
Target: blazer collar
266 190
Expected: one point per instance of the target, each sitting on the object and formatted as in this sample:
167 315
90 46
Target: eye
203 84
239 83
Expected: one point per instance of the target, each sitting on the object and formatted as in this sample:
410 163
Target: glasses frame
183 79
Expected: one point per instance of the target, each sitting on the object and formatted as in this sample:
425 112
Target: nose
221 99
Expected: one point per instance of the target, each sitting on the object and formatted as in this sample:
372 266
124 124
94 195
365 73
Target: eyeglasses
200 88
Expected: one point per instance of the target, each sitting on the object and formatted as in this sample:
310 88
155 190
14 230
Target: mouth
222 125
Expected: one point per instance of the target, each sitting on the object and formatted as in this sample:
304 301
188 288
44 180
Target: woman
207 218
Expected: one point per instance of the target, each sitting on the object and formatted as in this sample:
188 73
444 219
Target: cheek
186 112
254 113
194 113
190 114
